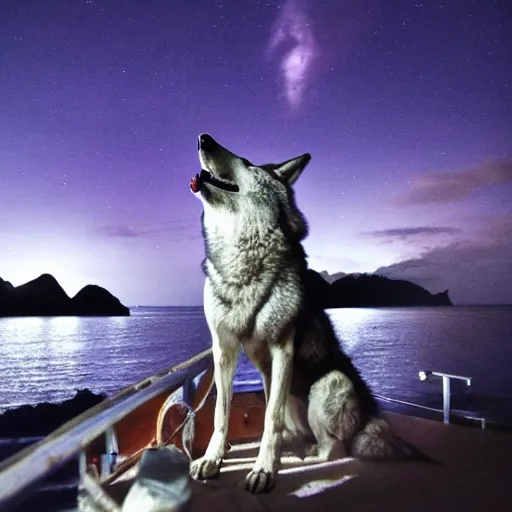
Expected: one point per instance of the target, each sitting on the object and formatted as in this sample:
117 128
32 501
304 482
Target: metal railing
446 410
24 470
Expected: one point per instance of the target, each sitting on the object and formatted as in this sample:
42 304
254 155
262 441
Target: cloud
293 29
175 231
476 272
450 186
121 231
407 233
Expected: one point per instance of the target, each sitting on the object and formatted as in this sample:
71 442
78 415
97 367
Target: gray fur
257 296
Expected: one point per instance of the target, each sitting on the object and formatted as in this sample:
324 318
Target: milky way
294 27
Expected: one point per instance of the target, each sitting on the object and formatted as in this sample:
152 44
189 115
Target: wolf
258 296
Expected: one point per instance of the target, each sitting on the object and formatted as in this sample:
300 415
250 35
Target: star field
405 107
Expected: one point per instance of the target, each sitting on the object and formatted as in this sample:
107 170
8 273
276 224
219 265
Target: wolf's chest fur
249 274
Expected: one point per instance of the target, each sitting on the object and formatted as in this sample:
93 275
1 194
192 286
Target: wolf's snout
206 142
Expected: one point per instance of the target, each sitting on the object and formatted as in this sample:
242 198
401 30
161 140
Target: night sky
405 107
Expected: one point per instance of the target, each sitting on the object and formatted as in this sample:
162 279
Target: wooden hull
137 430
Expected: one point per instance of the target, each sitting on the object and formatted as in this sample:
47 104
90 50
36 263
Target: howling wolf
258 296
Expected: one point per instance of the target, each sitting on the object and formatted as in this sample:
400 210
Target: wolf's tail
376 441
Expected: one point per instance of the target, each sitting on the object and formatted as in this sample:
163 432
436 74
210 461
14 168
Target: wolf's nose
206 142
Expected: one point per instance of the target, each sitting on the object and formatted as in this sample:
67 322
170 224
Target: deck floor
474 474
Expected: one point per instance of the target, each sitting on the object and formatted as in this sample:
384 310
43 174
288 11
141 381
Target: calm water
47 359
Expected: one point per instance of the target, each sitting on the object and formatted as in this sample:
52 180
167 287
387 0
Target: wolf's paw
260 481
204 469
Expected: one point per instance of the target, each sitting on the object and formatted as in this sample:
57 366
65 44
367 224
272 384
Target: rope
203 390
94 487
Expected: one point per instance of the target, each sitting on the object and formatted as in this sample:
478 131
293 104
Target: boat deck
474 474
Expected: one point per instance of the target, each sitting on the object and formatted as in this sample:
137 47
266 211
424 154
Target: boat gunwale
28 467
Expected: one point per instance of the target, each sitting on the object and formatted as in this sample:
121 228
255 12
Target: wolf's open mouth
207 177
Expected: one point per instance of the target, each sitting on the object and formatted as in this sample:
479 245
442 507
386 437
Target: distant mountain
330 278
94 300
45 297
367 290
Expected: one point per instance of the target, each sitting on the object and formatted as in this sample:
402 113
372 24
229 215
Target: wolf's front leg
224 358
263 475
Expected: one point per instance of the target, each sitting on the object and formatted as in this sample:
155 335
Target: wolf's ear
289 171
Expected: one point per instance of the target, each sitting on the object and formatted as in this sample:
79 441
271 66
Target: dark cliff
94 300
45 297
365 290
43 418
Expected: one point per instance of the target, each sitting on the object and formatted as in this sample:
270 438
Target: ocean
48 359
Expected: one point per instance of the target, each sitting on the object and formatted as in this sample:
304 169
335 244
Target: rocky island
45 297
370 290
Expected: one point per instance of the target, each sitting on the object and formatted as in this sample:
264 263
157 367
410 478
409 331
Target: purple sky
404 106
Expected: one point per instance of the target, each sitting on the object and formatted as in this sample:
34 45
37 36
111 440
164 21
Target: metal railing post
423 376
109 459
82 463
446 399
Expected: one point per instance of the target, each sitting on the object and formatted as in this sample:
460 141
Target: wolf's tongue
195 183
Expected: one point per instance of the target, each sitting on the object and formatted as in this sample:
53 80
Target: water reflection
63 334
21 327
351 325
48 358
